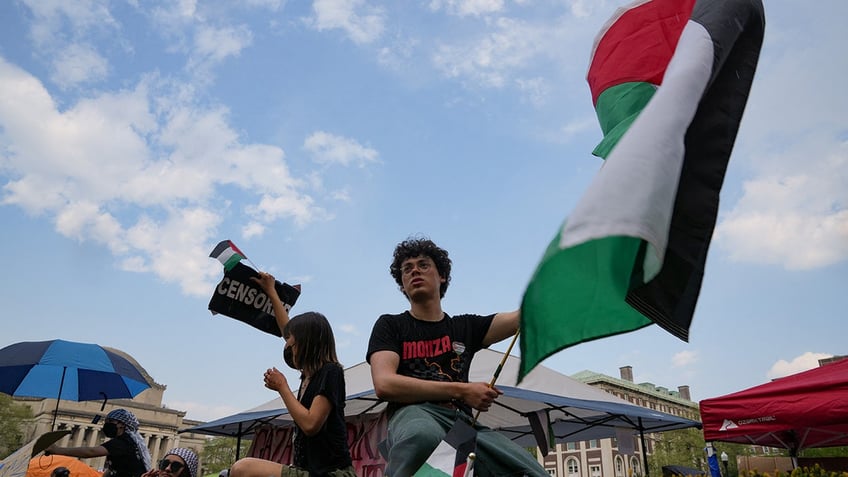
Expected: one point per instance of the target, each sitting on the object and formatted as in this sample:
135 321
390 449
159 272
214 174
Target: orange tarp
42 466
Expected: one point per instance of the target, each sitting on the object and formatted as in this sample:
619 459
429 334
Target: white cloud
76 64
363 24
274 207
272 5
50 16
808 360
213 44
468 7
138 171
341 195
327 148
536 90
793 207
684 358
252 229
399 54
798 220
509 45
580 8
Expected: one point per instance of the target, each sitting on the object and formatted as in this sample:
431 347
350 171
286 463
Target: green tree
12 416
825 452
219 453
681 447
733 450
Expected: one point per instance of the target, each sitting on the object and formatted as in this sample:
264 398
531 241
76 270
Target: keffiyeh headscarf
131 428
188 456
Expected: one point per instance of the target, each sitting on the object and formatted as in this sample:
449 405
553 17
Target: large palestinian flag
669 80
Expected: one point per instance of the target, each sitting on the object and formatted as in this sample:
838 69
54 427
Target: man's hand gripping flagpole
498 370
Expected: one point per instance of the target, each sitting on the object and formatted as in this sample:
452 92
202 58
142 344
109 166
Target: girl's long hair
316 345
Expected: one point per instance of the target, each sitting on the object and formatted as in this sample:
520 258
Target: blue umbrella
68 370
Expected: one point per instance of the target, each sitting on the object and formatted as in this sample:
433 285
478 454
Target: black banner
239 297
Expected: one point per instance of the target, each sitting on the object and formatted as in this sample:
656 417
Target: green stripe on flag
427 471
617 108
592 293
232 261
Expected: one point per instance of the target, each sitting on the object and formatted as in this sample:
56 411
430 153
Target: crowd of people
126 453
426 395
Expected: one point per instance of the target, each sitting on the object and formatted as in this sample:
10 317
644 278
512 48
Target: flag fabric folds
238 296
450 458
540 424
669 80
228 254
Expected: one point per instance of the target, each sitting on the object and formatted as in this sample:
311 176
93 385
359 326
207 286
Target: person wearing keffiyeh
125 451
178 462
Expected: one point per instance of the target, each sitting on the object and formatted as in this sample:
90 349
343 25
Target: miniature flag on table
669 80
450 458
228 254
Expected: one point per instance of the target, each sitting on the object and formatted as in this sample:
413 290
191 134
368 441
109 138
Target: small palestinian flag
228 254
540 424
669 80
451 455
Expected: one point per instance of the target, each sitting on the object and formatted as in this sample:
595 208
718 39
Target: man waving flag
669 80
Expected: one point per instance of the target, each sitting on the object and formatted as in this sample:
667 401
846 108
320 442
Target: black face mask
288 357
110 429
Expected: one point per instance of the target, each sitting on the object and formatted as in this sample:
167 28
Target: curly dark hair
421 247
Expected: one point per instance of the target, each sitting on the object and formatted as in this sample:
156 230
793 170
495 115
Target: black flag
239 297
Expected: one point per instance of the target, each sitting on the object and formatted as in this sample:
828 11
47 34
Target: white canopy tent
576 411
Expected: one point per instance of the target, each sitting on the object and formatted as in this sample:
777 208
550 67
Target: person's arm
81 452
267 282
310 420
394 387
503 326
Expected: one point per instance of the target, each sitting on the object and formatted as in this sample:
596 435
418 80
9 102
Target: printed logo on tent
728 424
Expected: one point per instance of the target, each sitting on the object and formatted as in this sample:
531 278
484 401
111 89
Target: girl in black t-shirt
320 444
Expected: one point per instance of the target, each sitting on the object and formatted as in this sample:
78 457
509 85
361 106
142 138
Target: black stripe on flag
736 28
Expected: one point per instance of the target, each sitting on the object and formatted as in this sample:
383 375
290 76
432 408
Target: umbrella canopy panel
82 371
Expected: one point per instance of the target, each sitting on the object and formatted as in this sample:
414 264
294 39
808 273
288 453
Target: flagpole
498 369
469 465
255 267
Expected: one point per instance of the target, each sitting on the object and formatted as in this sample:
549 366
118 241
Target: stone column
153 446
93 437
78 435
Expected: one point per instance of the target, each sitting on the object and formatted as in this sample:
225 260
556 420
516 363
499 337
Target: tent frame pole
238 442
58 398
646 471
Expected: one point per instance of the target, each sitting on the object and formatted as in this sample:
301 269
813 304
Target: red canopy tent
808 409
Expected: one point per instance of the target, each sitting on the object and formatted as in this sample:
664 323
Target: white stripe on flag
441 462
654 151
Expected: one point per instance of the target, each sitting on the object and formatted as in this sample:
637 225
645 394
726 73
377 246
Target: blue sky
316 135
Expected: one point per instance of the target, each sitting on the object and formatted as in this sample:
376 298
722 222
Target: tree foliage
681 447
219 453
825 452
12 416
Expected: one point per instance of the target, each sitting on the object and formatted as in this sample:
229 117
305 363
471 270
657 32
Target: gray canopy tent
576 411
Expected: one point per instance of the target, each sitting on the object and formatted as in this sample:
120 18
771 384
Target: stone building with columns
158 425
